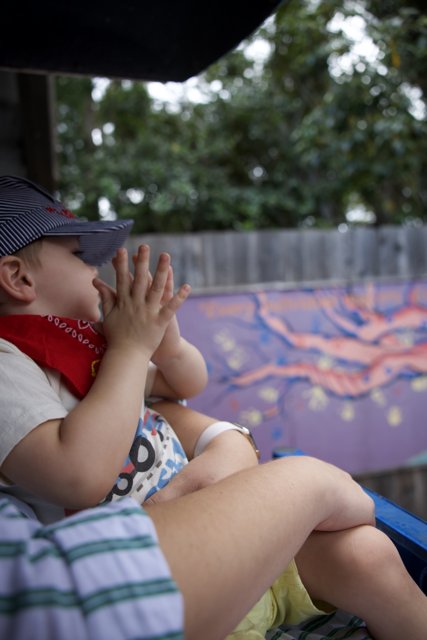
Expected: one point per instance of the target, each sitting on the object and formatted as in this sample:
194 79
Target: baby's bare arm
181 368
182 375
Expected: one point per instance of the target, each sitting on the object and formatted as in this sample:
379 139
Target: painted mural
338 372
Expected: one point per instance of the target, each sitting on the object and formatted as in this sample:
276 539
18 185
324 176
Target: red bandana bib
72 347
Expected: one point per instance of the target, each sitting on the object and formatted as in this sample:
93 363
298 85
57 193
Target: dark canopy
146 39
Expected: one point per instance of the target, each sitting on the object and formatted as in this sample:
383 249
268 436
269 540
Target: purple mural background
338 372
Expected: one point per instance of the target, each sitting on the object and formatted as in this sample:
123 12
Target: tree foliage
296 139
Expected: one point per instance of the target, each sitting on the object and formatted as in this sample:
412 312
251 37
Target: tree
289 141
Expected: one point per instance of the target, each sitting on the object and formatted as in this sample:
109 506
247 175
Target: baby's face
64 283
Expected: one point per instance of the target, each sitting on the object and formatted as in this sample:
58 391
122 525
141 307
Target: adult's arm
224 455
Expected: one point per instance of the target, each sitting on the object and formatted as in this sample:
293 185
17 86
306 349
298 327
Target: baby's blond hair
31 253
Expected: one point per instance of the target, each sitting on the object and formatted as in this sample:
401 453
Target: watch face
245 431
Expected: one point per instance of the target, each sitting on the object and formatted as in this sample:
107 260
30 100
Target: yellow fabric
287 601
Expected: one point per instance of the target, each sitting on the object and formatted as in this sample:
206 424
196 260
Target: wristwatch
215 429
248 435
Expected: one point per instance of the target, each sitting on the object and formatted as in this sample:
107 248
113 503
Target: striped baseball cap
28 213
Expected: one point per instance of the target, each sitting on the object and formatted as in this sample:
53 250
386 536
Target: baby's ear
16 280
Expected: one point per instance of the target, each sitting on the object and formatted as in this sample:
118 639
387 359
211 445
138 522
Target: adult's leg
227 543
360 570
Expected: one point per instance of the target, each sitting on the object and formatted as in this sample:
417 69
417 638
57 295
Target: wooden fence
407 486
291 257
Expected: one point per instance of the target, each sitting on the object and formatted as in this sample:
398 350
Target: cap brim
99 240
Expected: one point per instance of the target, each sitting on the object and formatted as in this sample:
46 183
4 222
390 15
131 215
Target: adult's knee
373 553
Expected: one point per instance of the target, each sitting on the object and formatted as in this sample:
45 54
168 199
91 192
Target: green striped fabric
337 626
97 574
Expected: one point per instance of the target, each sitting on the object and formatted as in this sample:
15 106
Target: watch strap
216 429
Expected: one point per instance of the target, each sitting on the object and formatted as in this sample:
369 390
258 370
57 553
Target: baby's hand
135 315
171 343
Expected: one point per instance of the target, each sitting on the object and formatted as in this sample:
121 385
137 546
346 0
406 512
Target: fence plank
365 253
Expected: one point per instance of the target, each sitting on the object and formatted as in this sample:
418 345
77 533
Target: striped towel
338 625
